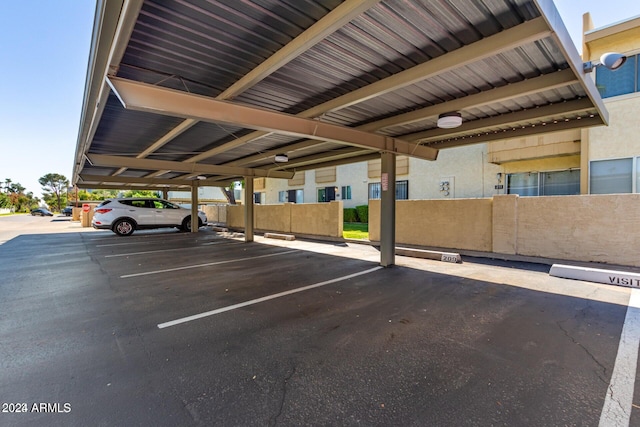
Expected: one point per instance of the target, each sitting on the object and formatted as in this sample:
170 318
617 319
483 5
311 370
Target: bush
350 215
363 213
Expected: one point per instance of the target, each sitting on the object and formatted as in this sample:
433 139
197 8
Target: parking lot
169 328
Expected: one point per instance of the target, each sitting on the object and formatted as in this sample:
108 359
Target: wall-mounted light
610 60
281 158
499 176
449 120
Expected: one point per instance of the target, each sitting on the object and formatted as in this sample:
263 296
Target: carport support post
388 210
194 206
248 209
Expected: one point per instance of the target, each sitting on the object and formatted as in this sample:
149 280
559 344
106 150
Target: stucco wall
591 228
620 138
235 216
215 213
273 217
461 223
317 219
599 228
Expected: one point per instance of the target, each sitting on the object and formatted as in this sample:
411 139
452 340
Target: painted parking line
263 299
619 400
208 264
167 250
138 242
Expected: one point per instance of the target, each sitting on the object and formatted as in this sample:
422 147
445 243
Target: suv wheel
186 224
124 227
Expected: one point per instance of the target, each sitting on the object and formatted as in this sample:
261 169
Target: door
167 213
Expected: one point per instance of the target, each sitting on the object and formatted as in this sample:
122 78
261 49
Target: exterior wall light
449 120
610 60
281 158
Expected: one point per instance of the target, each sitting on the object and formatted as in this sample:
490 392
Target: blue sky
44 50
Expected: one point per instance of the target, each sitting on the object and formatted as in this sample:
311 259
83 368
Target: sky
44 52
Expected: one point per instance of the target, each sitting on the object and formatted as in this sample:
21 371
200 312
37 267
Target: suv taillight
102 211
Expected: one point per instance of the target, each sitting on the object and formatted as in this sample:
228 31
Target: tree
53 186
229 192
12 196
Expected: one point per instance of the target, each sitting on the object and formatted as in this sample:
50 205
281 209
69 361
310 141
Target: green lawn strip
355 230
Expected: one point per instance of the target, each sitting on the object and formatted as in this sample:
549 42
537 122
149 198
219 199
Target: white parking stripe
165 250
263 299
208 264
618 402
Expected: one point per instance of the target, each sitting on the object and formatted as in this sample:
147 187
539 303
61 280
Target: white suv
124 216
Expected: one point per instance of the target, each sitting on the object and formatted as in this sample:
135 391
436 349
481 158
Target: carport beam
248 209
194 206
388 210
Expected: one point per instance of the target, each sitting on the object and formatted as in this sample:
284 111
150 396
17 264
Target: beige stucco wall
551 164
461 224
620 138
505 224
613 40
235 216
317 219
273 217
215 213
600 228
590 228
535 147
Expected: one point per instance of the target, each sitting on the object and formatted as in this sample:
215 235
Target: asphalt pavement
169 328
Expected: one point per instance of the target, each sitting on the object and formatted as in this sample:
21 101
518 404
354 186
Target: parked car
41 212
125 215
67 211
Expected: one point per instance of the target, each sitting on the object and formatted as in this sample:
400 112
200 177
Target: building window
556 183
560 183
346 192
402 190
523 184
282 196
259 198
619 82
326 194
374 190
611 176
295 196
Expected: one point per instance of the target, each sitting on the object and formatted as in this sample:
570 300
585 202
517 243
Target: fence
313 219
592 228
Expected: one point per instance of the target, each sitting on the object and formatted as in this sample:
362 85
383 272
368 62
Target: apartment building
594 160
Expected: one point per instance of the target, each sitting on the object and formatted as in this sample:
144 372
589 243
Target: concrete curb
279 236
426 254
596 275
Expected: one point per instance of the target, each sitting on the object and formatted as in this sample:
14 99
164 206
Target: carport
187 93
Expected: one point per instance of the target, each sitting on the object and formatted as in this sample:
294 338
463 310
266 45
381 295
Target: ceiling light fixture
449 120
281 158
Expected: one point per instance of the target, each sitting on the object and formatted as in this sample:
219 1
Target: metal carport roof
217 88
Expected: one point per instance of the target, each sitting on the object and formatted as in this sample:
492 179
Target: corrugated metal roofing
204 47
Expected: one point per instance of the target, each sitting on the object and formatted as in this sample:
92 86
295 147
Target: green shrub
363 213
350 215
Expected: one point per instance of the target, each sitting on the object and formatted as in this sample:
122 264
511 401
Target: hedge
350 215
363 213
